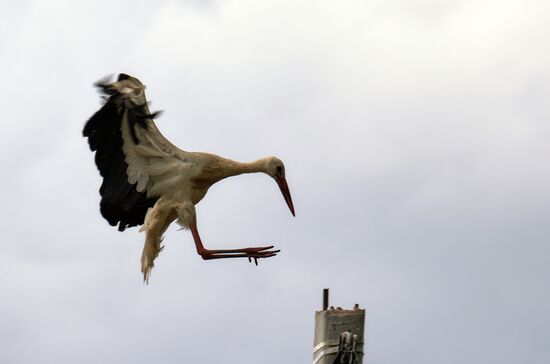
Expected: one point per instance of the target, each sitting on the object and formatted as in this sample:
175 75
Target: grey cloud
414 141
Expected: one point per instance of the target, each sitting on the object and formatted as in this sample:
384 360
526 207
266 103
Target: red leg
250 253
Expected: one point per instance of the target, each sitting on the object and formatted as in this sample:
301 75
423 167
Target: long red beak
281 181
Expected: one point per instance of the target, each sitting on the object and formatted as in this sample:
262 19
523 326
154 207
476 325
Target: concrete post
329 324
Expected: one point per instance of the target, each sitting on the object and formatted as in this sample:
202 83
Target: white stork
149 181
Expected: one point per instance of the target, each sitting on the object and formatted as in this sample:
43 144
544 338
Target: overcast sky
415 137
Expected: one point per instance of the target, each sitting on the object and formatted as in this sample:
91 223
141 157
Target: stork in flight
148 181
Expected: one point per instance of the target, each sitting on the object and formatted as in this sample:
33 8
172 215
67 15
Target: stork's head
276 169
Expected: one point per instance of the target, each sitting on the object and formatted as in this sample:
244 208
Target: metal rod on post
325 299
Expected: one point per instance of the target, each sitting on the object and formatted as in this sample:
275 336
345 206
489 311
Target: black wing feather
121 204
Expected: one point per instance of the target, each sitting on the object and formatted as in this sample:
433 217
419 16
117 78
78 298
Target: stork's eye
279 170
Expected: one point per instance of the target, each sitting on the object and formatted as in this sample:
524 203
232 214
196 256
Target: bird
149 182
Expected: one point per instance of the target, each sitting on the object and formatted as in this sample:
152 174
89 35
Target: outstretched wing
137 163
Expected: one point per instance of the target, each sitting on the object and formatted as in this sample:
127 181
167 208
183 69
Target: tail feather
151 250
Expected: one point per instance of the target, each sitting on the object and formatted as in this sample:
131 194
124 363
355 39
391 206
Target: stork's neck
217 168
234 168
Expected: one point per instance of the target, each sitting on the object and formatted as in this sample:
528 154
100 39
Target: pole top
325 299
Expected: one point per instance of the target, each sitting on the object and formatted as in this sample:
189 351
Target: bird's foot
253 253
